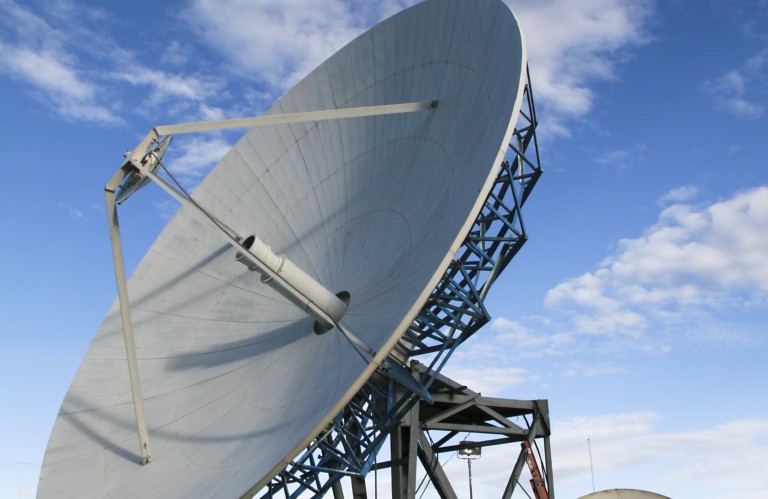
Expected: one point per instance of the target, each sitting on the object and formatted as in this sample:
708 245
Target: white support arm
125 315
280 119
279 272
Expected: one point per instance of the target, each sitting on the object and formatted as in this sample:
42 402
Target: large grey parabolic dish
235 381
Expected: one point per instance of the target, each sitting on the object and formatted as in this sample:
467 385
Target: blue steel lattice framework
453 312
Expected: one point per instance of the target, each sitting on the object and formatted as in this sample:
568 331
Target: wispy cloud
279 42
678 195
52 54
582 370
686 281
194 156
620 441
488 380
73 212
741 92
294 37
36 53
605 431
691 260
167 208
573 44
729 92
166 86
694 457
622 158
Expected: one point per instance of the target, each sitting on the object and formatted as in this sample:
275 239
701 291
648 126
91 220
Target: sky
638 307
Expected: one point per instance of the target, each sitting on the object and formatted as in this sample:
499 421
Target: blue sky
638 306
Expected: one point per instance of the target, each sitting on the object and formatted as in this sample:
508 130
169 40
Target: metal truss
434 428
453 312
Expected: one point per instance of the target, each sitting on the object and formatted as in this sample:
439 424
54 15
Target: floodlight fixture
469 452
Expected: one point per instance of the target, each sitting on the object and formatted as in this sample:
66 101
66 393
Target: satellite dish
236 378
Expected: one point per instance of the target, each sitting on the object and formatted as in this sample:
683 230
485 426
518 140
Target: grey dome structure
623 494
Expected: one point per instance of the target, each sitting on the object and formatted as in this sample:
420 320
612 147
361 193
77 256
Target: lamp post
468 452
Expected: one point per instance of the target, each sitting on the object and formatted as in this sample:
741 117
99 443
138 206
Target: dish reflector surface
235 381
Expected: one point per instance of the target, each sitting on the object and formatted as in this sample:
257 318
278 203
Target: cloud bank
570 44
693 258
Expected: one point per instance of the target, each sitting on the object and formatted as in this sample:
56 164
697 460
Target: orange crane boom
537 481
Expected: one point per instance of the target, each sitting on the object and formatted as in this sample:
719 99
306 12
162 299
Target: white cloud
488 380
55 82
729 93
578 369
692 259
729 456
727 460
46 71
279 42
606 433
192 157
738 91
35 53
532 340
165 86
502 343
572 44
73 212
176 54
167 208
621 159
678 195
213 113
563 343
53 54
18 492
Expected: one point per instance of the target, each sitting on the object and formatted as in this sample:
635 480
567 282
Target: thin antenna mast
591 468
